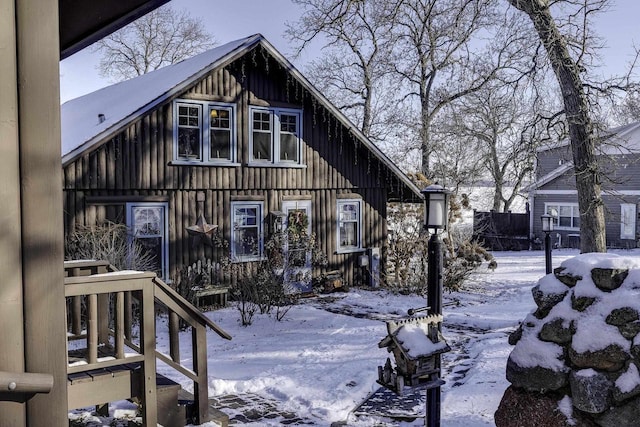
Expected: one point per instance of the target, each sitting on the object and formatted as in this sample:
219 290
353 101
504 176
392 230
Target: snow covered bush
407 256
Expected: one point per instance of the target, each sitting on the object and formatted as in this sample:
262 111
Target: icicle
314 105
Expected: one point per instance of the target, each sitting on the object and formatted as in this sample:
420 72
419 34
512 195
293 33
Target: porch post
11 337
41 205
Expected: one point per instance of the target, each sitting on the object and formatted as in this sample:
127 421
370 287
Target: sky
228 21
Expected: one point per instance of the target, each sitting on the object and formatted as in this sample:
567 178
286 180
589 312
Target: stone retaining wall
576 357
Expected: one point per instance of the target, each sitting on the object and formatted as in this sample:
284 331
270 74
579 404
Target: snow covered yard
321 361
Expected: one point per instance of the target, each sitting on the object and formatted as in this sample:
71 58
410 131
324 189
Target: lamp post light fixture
547 227
436 214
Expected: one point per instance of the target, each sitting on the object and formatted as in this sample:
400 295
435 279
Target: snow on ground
321 360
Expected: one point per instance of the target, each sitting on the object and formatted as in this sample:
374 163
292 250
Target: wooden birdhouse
416 344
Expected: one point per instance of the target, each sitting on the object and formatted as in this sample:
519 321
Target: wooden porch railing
103 308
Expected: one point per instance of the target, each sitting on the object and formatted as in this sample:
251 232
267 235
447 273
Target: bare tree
439 59
502 127
162 37
568 69
351 71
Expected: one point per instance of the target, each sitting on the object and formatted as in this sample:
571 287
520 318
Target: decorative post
547 227
436 213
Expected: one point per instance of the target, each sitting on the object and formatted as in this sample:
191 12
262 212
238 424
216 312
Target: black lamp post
436 213
547 227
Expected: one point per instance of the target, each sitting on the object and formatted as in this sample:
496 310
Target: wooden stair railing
91 287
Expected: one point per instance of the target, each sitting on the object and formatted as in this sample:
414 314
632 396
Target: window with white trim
349 225
149 228
566 216
247 233
204 132
275 135
627 221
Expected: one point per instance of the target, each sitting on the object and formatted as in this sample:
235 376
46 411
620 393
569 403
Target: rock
611 358
608 279
515 336
566 278
546 300
537 379
591 391
630 330
620 316
581 303
519 408
554 331
626 415
627 385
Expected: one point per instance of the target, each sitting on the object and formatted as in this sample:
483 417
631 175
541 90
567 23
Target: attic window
275 136
204 132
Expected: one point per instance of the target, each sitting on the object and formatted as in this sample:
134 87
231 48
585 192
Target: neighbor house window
204 132
276 135
349 225
566 216
246 232
627 221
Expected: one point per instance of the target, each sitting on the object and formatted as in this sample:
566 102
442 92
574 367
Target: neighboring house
236 137
554 191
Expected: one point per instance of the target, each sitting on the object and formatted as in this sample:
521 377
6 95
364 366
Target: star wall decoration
201 231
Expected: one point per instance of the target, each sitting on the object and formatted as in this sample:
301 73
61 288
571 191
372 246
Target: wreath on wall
298 222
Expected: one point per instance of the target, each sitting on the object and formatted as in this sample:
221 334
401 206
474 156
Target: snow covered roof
616 141
619 140
92 118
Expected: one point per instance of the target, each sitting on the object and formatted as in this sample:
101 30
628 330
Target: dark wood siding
137 163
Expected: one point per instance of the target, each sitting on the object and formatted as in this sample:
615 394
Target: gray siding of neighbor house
622 175
549 160
136 165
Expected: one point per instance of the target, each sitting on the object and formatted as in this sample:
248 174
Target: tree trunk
592 229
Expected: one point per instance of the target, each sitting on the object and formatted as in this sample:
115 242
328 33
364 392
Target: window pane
189 143
152 248
147 222
288 147
348 234
288 123
220 144
348 212
261 121
564 221
219 118
246 242
261 146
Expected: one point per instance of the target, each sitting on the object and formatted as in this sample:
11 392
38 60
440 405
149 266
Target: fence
502 231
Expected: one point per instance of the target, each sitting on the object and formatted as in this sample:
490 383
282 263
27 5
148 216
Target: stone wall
576 357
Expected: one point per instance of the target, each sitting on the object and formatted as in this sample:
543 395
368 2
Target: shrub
109 242
407 256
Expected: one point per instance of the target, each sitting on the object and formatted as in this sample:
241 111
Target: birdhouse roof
413 336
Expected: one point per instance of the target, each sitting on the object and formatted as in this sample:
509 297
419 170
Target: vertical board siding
137 161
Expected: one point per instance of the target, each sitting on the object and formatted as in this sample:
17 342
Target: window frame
575 213
340 248
276 136
625 234
260 230
205 108
130 221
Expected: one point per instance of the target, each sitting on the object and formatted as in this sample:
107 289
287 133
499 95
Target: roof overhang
83 22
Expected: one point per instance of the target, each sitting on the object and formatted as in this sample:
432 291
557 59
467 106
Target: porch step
100 386
185 398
